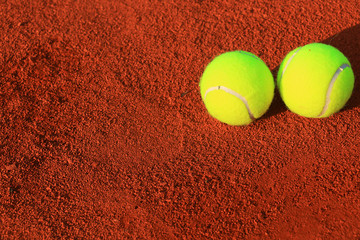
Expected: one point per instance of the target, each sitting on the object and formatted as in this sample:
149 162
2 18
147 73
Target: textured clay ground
103 134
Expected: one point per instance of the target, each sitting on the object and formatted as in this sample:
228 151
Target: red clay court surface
103 133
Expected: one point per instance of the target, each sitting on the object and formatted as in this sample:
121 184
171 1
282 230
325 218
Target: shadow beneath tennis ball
277 106
348 42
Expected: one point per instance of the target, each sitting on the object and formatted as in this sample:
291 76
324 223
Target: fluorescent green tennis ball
237 87
315 80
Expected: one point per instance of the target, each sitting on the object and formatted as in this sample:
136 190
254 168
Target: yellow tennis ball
237 87
315 80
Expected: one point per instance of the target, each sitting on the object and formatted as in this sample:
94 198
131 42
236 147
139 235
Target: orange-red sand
103 134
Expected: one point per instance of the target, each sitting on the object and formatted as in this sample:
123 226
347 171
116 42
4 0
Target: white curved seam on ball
331 85
248 54
232 92
288 62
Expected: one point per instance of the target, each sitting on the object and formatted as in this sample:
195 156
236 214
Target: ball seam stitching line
288 62
331 85
235 94
250 55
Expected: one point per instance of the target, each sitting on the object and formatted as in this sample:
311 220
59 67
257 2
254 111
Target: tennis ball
237 87
315 80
